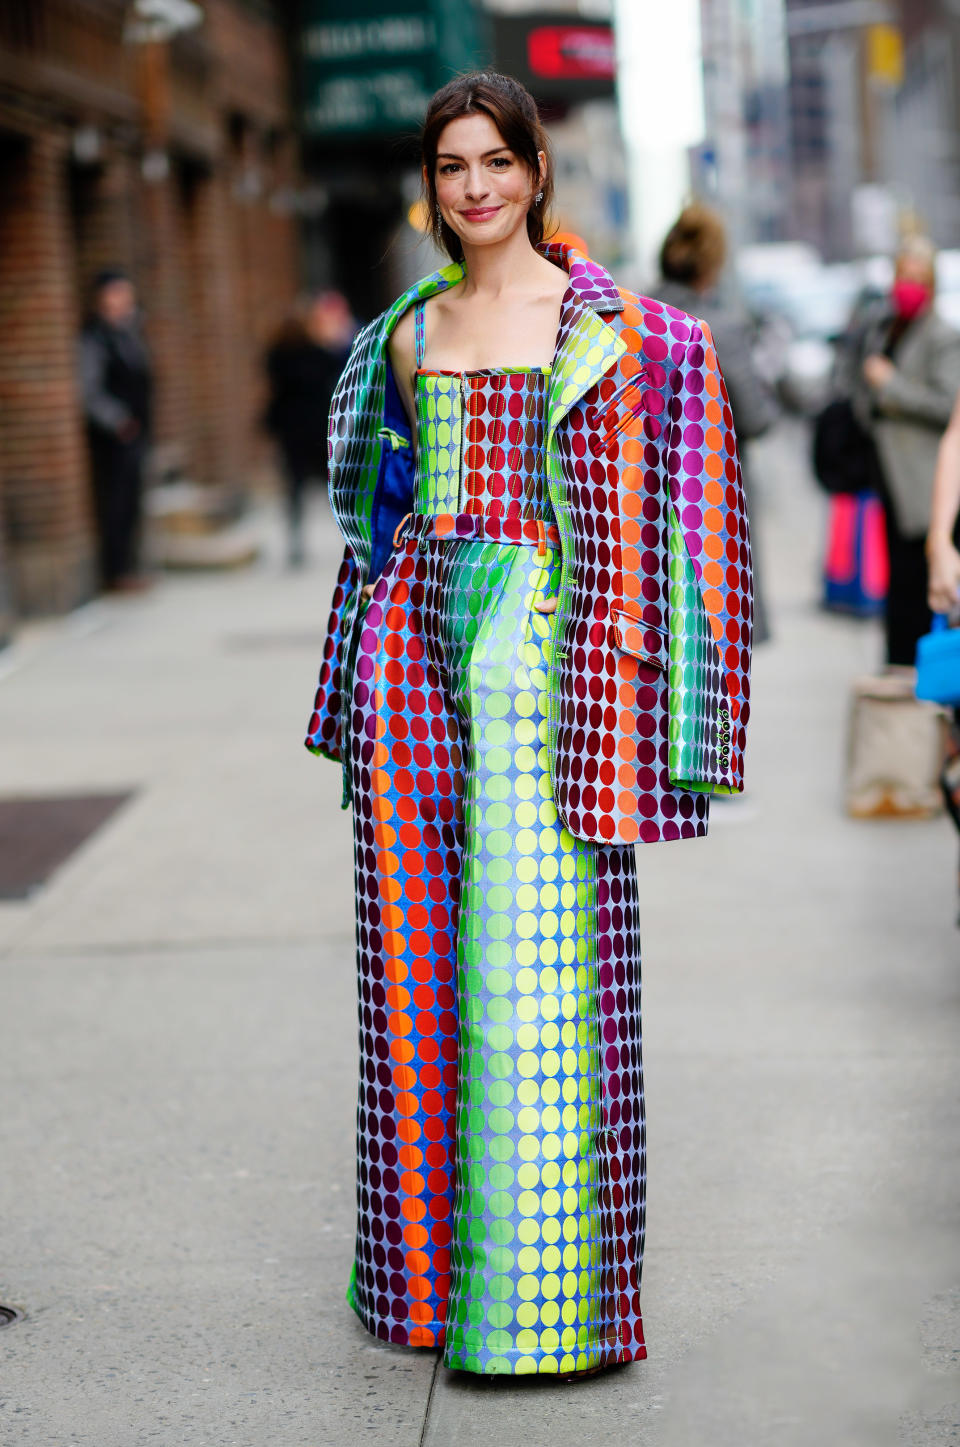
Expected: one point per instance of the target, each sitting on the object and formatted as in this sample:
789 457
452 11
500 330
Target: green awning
370 66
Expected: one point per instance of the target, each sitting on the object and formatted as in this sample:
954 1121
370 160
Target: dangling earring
539 197
439 216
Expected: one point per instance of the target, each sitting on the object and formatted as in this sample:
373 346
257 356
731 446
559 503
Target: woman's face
483 190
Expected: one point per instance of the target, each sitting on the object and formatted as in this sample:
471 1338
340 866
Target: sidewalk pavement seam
426 1414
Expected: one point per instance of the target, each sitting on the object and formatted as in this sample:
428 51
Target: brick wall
103 218
218 445
214 257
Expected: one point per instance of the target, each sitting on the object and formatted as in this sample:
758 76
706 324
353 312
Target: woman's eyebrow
450 156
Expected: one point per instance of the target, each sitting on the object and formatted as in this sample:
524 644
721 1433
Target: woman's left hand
546 605
877 371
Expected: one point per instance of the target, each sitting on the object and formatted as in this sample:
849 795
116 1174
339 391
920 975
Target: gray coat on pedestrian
908 416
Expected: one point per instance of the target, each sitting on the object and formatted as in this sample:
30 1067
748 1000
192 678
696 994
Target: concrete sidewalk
178 1065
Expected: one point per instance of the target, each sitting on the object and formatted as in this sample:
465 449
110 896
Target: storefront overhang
370 66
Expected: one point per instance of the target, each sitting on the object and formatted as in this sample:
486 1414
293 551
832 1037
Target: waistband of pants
485 526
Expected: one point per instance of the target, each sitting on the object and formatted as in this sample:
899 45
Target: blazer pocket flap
630 402
639 639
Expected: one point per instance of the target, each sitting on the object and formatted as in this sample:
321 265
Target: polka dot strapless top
480 443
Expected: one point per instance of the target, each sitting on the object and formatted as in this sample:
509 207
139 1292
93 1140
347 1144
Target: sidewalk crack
426 1415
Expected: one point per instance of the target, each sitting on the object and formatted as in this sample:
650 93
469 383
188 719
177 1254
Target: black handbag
844 456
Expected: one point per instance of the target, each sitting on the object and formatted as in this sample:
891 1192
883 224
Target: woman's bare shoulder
403 360
556 281
402 343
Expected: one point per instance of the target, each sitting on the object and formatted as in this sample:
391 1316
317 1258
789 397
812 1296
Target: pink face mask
910 298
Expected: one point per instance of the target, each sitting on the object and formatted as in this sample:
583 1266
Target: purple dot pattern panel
324 731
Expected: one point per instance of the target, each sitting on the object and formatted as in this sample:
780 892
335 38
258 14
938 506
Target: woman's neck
512 265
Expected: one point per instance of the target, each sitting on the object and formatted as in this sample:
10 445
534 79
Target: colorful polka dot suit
500 763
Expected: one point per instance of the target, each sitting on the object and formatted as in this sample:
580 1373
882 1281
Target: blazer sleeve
324 731
710 590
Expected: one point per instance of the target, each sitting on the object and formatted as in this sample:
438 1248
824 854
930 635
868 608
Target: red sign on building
572 52
561 60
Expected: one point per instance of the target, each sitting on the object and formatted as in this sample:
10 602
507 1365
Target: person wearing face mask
909 377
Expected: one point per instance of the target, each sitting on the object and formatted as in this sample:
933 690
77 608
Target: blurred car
802 306
948 286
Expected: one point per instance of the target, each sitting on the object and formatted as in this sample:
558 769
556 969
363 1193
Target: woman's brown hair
695 247
513 111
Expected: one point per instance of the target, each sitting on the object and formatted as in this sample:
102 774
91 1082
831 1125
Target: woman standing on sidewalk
537 656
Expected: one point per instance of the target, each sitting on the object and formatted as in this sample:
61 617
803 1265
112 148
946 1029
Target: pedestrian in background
116 389
692 259
303 367
904 380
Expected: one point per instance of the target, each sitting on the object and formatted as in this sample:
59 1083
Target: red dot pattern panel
481 443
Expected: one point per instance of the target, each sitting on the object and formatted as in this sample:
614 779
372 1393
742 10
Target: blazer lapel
440 280
587 347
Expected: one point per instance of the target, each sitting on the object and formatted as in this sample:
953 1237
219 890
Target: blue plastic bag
938 664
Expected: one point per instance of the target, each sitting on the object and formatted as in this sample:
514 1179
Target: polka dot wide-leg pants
500 1122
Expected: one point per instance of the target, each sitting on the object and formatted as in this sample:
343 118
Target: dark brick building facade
175 160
